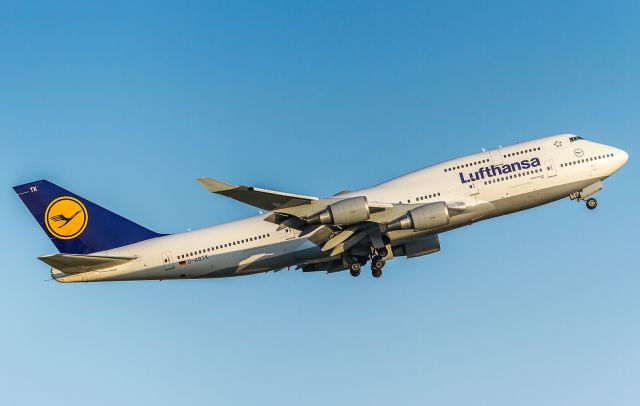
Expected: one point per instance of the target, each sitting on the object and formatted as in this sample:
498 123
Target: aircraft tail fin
76 225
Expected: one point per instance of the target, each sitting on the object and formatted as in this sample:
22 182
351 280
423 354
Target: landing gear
583 195
354 269
376 266
356 260
377 263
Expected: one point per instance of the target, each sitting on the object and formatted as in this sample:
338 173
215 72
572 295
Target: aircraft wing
292 210
268 200
73 264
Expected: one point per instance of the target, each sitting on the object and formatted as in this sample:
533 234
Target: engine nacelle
422 218
344 212
416 248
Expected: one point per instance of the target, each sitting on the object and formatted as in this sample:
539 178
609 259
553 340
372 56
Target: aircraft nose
623 157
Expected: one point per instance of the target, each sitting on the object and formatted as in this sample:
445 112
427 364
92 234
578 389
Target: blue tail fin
75 225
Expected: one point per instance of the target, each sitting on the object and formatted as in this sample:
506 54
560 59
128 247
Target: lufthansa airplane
400 217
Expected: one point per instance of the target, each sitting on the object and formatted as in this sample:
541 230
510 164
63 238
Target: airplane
402 217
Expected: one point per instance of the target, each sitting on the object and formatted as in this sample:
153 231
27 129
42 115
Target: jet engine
422 218
344 212
416 248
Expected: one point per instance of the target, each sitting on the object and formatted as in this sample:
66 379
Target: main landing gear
356 264
377 263
354 269
376 266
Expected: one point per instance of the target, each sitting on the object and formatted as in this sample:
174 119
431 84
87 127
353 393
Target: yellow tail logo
66 217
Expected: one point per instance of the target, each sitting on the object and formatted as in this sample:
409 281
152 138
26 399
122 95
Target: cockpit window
576 138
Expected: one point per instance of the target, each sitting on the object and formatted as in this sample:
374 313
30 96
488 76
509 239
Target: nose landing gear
584 195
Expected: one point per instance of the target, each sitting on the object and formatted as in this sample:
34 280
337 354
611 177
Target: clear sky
126 103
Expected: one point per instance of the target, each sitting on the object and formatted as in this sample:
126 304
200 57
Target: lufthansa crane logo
66 217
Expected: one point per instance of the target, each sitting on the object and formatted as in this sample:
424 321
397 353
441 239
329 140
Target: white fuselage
499 181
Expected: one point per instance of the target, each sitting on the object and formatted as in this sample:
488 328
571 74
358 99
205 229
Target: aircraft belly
285 254
536 198
498 207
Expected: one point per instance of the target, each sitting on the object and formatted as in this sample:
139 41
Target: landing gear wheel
354 269
592 203
383 252
377 263
376 266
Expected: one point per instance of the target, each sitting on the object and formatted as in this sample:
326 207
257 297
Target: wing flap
73 264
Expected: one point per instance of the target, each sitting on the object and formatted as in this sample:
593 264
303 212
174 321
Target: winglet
215 186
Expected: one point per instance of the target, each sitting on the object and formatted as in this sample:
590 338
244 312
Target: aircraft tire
592 203
377 263
354 269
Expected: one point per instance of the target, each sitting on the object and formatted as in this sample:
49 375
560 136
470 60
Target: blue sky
126 103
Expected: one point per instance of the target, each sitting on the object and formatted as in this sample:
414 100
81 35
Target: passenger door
472 187
496 156
288 233
166 260
551 168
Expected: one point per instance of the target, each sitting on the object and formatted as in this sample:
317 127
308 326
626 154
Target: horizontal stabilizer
269 200
72 264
